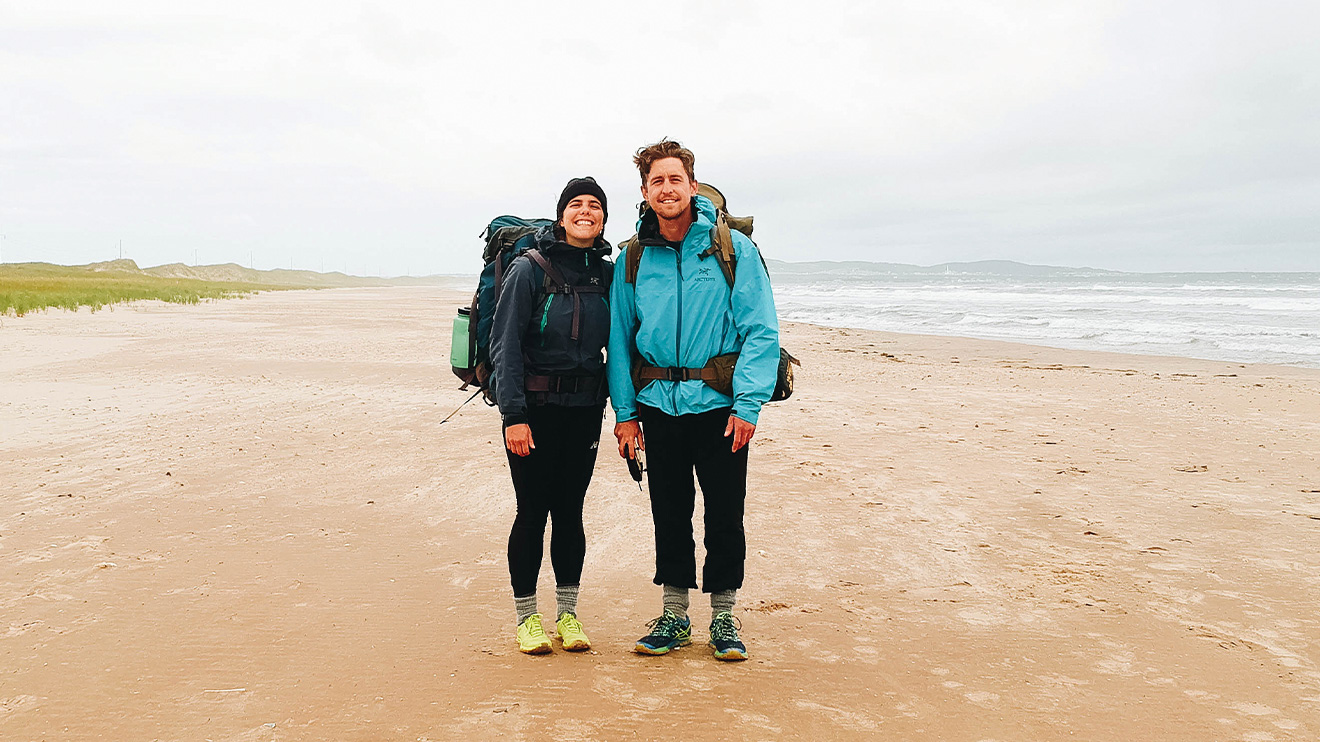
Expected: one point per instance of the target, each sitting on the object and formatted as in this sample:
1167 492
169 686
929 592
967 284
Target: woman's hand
518 439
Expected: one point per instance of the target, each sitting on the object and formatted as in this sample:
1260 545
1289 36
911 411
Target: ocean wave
1246 323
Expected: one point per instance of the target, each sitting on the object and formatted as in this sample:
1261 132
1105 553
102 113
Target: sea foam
1248 317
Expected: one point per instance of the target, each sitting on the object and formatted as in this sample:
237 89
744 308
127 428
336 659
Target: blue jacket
682 313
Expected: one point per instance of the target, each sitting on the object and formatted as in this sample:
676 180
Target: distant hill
985 267
235 273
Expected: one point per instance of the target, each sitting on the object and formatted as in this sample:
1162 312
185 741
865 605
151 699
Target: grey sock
723 601
525 605
566 599
676 600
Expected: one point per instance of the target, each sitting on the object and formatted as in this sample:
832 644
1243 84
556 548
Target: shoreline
238 514
1042 345
460 297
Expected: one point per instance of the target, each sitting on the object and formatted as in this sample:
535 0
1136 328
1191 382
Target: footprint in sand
700 681
840 717
616 690
16 629
1118 663
982 698
15 703
751 719
575 730
983 617
871 654
264 733
1253 709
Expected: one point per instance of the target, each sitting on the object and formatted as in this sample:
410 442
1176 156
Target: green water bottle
460 346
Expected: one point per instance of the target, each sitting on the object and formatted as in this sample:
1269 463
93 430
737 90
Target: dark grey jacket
532 330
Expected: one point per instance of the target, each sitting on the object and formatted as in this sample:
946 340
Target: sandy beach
243 521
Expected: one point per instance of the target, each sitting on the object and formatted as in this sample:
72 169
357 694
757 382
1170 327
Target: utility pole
121 249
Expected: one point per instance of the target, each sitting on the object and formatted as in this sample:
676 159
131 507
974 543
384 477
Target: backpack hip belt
537 384
717 373
674 373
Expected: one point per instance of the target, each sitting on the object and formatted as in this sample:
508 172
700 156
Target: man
678 315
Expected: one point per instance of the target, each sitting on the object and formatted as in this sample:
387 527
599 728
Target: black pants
676 446
552 481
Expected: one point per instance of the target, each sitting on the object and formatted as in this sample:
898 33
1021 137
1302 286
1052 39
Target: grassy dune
27 287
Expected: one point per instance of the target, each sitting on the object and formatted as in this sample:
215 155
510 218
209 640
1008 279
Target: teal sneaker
667 632
724 637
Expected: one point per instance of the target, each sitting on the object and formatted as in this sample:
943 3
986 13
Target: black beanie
580 186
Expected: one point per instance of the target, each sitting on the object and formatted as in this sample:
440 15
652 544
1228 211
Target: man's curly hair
647 156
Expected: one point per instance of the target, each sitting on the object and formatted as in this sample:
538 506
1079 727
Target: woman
550 328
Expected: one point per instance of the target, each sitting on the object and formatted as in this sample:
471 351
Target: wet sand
243 521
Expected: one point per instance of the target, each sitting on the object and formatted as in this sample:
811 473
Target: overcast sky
381 137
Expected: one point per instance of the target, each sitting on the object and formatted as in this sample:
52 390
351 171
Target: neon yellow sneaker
571 634
531 636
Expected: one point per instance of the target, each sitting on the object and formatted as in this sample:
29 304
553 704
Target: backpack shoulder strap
721 246
633 255
552 273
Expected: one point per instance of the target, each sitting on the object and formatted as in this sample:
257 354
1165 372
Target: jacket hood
648 226
547 241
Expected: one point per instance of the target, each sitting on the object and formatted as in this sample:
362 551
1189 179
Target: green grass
27 287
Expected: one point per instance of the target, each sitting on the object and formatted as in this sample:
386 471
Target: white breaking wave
1261 318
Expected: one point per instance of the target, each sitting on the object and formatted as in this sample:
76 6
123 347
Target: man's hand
518 439
630 438
741 430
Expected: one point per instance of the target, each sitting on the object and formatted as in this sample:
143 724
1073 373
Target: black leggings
552 481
